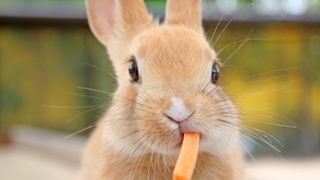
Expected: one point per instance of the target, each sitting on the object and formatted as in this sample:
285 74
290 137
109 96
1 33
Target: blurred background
55 75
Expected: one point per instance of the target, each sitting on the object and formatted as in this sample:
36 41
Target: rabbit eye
133 70
215 73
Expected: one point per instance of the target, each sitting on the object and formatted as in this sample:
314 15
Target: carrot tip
188 157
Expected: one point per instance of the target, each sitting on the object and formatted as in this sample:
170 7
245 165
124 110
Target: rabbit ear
184 12
116 20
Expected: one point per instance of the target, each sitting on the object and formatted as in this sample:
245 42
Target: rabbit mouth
185 127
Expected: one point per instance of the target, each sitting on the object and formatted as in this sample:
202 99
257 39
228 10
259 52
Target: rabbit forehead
172 52
172 41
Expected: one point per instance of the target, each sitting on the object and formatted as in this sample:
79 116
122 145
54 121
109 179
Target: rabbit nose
176 120
177 111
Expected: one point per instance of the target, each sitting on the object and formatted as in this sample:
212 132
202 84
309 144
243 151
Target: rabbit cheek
220 124
161 135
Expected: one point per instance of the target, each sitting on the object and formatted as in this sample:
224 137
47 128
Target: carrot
187 158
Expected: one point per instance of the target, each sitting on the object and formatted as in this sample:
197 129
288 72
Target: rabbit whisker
87 96
224 28
102 70
216 28
239 41
284 69
82 113
67 107
255 136
94 90
79 131
257 143
239 47
245 148
262 133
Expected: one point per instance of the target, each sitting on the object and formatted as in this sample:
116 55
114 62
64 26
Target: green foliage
246 1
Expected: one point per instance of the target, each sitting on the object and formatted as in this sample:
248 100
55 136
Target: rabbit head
167 75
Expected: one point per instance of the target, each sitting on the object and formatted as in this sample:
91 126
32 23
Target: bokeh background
55 78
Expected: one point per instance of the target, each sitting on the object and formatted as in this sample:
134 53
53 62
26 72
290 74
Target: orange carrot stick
187 158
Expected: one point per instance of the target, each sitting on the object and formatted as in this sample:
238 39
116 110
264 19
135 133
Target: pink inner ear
101 14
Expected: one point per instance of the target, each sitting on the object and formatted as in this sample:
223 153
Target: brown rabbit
167 75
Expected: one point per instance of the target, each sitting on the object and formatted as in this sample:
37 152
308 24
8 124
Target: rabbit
167 78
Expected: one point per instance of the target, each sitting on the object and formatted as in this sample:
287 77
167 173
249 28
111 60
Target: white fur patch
173 126
178 111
